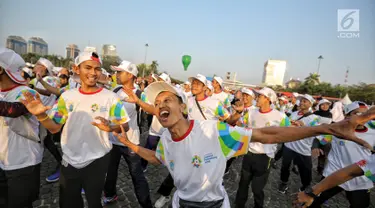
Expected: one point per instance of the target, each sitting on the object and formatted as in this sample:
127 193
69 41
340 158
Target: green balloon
186 60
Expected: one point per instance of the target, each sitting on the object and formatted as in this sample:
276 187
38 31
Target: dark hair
26 75
63 76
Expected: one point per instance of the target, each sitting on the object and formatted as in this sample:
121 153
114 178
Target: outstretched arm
146 154
333 180
12 109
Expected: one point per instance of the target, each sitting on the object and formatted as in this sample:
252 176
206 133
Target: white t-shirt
211 108
257 119
18 136
223 97
81 142
187 94
197 161
368 167
303 146
133 134
344 153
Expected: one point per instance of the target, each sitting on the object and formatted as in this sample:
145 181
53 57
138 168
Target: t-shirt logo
171 165
208 157
196 161
70 107
94 107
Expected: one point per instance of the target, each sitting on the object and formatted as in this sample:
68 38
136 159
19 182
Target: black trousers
49 143
357 199
19 188
303 163
91 178
167 186
151 144
142 190
255 170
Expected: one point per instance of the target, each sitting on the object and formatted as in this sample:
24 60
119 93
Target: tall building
90 49
109 50
17 44
37 45
72 51
274 71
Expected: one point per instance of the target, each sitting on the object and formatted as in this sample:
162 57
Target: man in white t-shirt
187 90
248 98
195 152
21 151
126 73
219 94
344 153
299 151
88 113
256 163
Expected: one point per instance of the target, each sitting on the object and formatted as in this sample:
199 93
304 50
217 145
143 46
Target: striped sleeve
59 112
234 141
159 153
368 167
117 113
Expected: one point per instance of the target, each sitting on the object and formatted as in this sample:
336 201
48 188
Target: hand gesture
297 123
238 106
39 77
132 97
123 138
301 200
33 104
345 129
103 124
316 152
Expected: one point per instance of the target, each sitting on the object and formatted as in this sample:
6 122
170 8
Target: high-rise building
274 71
72 51
90 49
17 44
37 45
109 50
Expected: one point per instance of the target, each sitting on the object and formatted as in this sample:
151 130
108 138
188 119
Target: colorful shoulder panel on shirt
20 94
285 122
159 153
226 102
221 111
234 141
59 112
368 167
143 97
117 113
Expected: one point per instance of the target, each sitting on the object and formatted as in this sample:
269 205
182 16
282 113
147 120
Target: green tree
312 79
108 61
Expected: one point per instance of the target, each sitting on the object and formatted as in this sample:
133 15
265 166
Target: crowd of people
195 129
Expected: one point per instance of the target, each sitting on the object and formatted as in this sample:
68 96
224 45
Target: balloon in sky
186 59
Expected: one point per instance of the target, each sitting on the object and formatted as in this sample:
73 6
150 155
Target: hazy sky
220 35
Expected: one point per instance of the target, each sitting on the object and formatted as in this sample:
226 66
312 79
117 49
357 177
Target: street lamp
144 69
319 59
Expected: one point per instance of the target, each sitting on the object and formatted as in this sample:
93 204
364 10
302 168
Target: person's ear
76 69
183 107
2 71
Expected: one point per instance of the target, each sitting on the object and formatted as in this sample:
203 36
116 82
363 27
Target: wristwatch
309 192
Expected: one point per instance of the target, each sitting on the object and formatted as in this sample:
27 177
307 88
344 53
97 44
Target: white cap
269 93
283 98
28 64
209 85
200 78
28 71
307 97
295 94
353 106
219 80
324 101
248 91
12 64
105 72
156 88
56 70
154 76
47 64
127 67
165 77
87 56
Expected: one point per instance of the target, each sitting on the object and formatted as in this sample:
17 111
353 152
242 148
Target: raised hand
33 104
345 129
301 200
102 124
132 97
123 138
